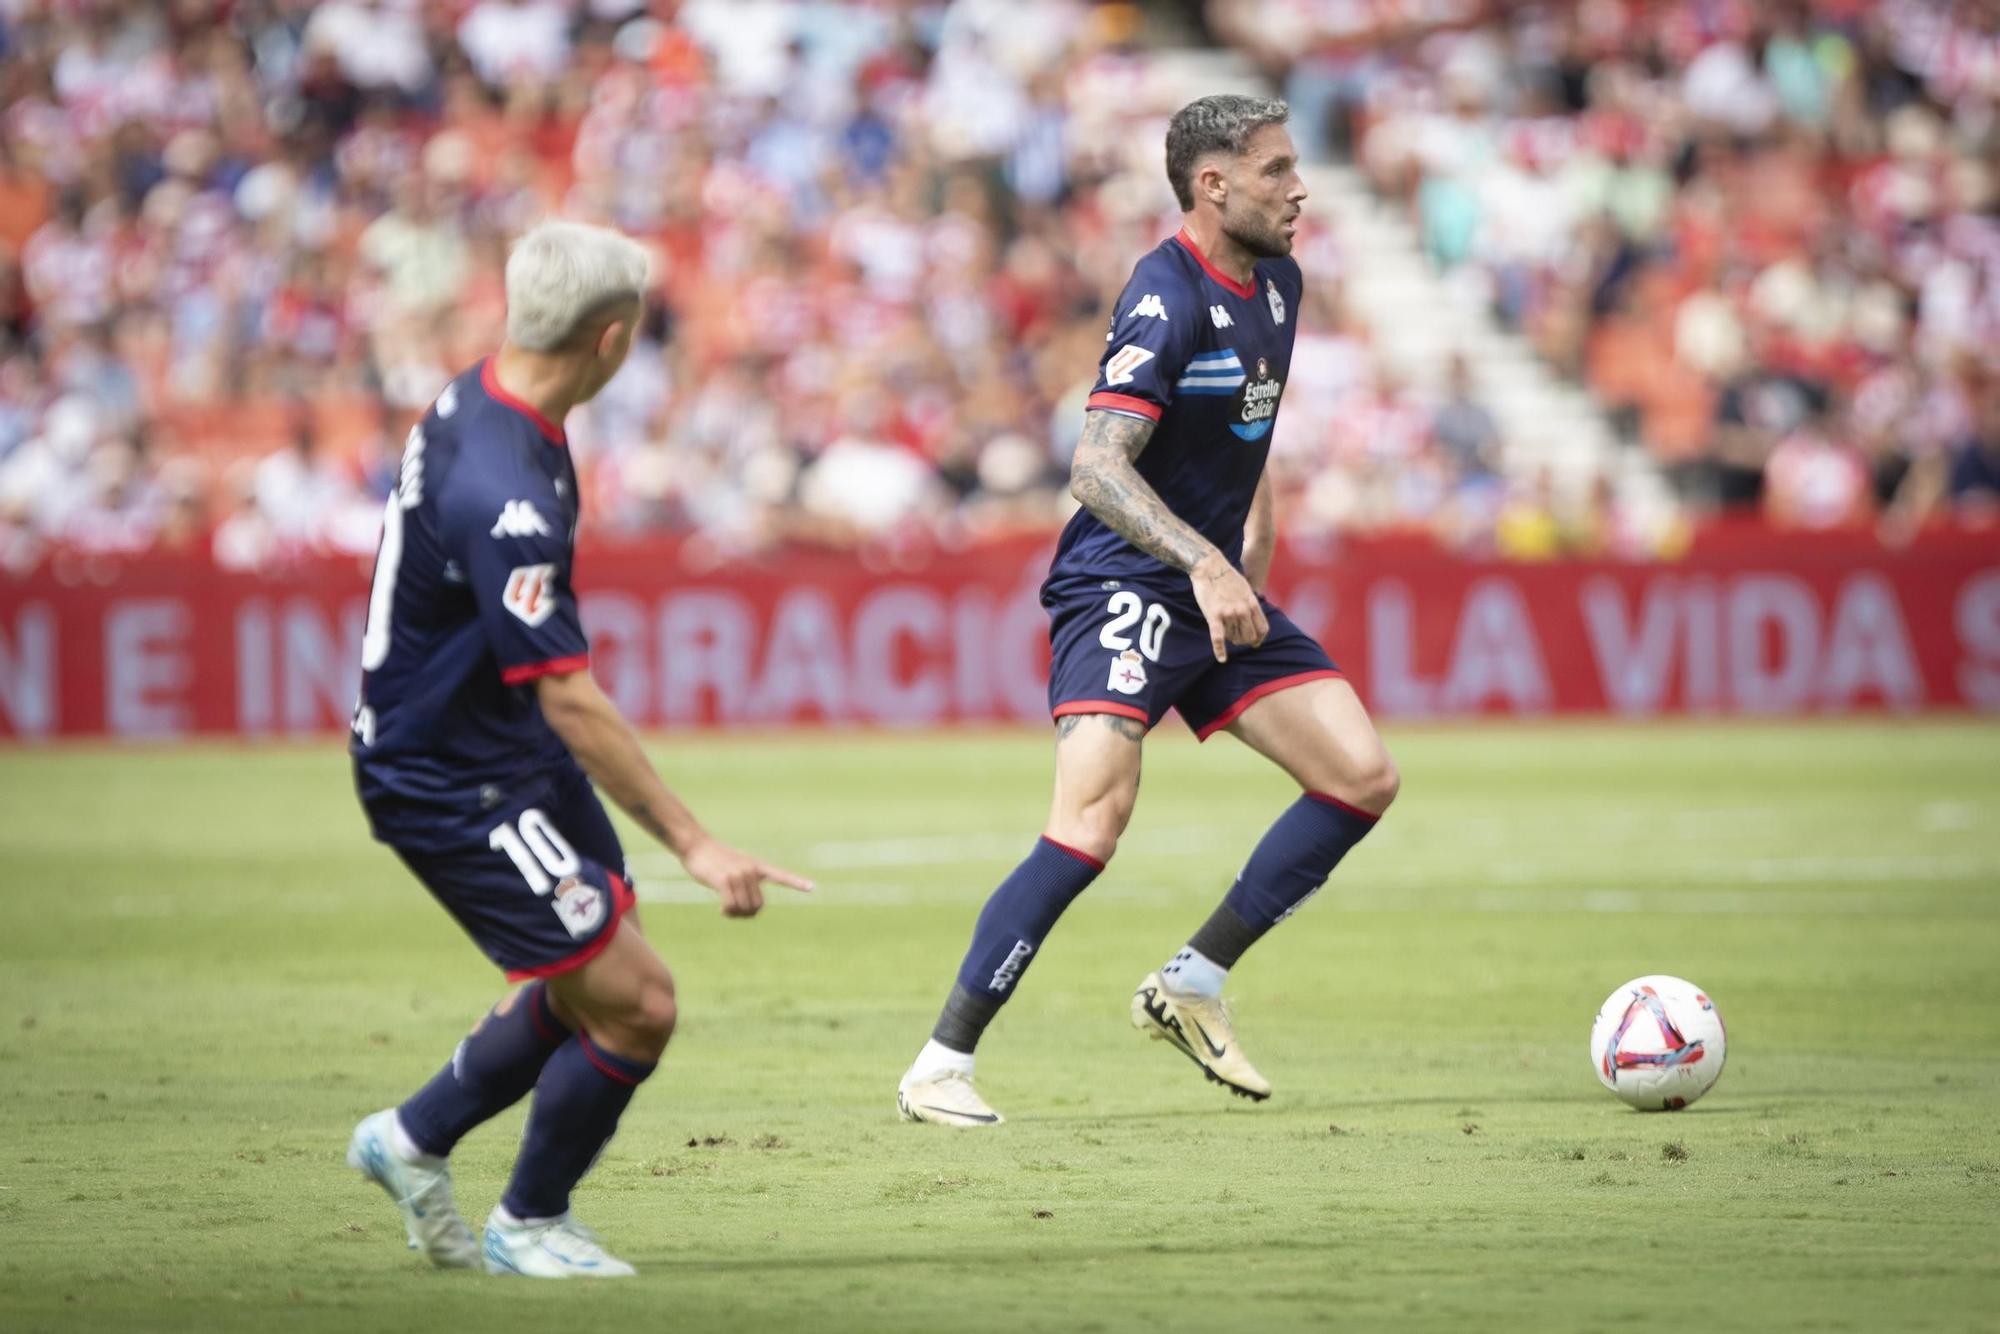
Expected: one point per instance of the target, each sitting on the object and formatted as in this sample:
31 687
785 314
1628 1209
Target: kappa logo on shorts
531 593
1128 673
579 906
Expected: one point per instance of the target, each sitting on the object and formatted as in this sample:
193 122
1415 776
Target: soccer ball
1658 1043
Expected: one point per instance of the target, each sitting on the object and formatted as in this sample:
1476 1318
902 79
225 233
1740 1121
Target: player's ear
1210 183
623 325
608 336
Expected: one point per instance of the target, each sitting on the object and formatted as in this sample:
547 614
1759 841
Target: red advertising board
166 648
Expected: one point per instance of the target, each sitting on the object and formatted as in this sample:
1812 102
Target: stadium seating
242 246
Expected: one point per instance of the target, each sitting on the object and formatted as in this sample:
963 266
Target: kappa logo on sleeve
519 518
531 593
1149 304
1124 363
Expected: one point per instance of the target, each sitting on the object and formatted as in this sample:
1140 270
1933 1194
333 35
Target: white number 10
538 852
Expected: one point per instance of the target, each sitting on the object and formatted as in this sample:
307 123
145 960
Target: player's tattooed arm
1105 480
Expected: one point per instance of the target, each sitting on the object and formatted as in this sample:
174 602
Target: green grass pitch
209 973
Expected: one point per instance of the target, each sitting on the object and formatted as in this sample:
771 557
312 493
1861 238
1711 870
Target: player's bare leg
1319 733
1322 736
621 1005
1097 783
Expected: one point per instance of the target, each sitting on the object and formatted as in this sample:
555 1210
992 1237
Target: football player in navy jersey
477 738
1155 600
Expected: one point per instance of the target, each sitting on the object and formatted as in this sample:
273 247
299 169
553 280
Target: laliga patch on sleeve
1124 362
531 593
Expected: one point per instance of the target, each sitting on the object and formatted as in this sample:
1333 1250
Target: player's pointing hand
737 877
1225 597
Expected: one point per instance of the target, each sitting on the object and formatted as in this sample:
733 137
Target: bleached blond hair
560 273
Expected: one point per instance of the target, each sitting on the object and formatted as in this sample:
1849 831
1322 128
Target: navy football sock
1291 862
496 1064
578 1100
1011 927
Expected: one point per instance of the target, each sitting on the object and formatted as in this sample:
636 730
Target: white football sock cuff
936 1058
1193 973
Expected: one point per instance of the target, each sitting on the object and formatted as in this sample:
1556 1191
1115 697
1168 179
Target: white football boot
548 1248
1198 1028
944 1098
422 1193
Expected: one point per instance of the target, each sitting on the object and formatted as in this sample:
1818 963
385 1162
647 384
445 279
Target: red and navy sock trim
611 1065
1328 799
1078 853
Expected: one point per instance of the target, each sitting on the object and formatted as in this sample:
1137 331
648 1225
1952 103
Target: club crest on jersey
1124 363
519 518
531 593
1277 302
1149 304
579 906
1128 673
1256 403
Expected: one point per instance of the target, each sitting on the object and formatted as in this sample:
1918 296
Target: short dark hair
1222 123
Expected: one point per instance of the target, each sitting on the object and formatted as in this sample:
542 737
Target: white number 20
1126 607
538 852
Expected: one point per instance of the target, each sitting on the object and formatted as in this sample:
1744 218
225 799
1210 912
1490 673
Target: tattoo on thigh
1129 728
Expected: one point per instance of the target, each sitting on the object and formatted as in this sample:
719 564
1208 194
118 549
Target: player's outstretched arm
1105 481
1260 535
604 744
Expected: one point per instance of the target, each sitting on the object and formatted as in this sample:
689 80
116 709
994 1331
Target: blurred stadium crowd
1766 235
244 242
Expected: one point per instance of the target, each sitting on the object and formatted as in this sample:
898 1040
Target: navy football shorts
544 892
1138 649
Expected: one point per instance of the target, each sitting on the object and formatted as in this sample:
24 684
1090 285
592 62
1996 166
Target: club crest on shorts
1128 673
579 905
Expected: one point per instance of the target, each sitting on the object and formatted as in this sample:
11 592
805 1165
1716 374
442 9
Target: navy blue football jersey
471 602
1205 357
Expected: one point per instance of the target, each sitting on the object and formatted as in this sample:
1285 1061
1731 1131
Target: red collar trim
1244 290
491 384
